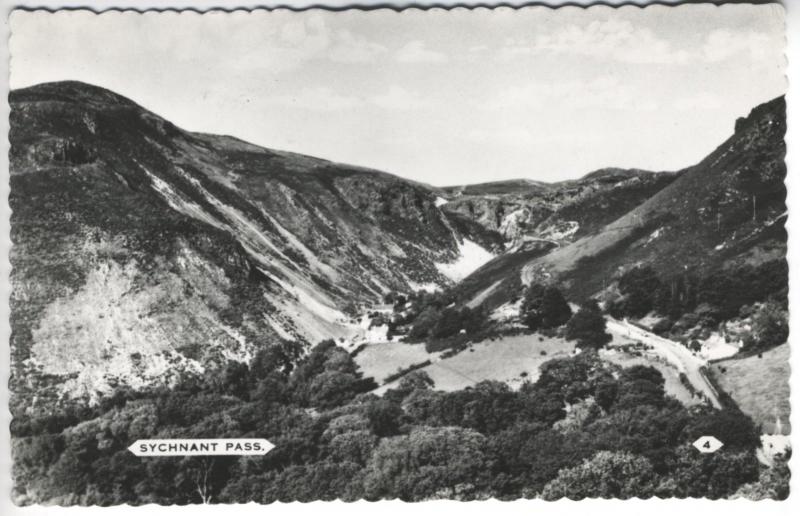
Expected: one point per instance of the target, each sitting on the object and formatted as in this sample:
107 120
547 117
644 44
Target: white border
654 507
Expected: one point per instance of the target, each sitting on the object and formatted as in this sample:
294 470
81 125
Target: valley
167 282
308 246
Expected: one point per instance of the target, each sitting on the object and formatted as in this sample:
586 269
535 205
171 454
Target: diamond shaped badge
707 444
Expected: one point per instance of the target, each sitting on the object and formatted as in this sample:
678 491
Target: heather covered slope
141 249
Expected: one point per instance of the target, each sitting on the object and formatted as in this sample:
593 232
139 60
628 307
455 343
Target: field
760 386
504 360
380 360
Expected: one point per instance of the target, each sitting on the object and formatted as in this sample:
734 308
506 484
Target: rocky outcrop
560 212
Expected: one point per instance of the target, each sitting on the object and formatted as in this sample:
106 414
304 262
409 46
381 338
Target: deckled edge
521 506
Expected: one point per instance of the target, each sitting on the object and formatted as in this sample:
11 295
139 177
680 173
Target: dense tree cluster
544 307
434 318
583 428
687 300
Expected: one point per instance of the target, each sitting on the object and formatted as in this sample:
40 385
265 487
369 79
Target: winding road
677 355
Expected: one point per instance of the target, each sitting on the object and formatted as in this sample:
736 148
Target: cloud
505 136
601 92
415 52
623 41
528 96
305 33
722 44
323 98
305 39
398 98
320 98
618 40
700 101
352 48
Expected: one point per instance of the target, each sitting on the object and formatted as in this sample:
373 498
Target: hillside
726 211
141 249
526 211
508 187
760 387
143 254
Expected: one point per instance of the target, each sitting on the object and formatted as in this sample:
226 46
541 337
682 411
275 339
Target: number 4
707 444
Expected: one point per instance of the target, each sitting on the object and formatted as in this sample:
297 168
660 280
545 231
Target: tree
353 446
640 385
451 321
332 389
230 379
713 475
488 407
544 307
639 285
772 483
415 380
731 426
422 324
606 475
200 473
566 380
531 454
422 406
770 327
385 417
647 430
588 327
605 394
327 377
280 357
642 372
555 310
304 483
427 460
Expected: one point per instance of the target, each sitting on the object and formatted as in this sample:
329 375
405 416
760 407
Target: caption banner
182 447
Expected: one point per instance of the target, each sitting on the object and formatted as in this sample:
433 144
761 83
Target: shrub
770 328
588 327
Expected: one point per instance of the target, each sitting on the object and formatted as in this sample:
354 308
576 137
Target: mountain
726 211
141 250
529 211
511 186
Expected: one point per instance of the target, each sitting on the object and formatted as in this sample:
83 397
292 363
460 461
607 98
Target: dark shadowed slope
728 209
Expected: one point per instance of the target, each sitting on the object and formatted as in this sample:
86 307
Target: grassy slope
760 386
504 360
383 359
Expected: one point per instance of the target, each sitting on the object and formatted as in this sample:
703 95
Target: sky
442 97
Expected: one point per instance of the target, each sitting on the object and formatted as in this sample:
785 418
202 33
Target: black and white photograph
278 255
